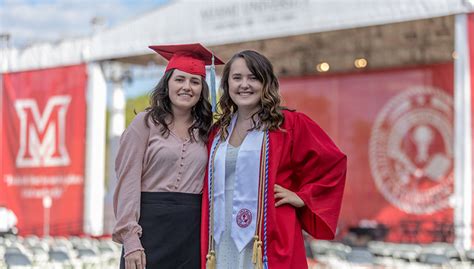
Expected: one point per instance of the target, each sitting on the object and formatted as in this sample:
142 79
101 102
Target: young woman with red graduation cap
272 173
160 166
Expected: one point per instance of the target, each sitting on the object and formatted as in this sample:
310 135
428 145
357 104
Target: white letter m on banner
42 136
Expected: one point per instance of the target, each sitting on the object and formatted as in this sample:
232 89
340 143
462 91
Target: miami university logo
411 150
42 135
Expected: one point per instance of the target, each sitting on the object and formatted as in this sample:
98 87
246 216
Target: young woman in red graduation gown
288 175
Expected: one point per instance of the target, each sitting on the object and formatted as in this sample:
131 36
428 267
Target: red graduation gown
305 160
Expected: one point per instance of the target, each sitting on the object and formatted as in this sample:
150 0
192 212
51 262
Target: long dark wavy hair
160 109
270 115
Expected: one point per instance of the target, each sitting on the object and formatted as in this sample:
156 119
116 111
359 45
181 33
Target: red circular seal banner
244 218
411 150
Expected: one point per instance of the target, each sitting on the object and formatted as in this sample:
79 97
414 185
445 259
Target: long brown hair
270 115
160 109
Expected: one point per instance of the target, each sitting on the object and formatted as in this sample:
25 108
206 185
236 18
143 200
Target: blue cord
265 258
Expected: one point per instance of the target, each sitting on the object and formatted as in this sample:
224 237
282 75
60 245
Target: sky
36 21
31 21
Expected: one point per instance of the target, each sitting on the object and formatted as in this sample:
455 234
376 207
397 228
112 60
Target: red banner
396 126
43 147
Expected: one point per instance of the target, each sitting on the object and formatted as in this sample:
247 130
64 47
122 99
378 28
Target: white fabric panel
463 137
94 189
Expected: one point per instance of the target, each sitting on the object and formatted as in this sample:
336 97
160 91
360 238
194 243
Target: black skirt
170 224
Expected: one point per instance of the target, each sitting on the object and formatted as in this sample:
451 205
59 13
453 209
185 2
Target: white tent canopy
215 22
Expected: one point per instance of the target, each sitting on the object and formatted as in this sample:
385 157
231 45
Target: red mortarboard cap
189 58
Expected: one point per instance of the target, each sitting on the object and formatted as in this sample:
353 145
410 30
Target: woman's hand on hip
286 196
135 260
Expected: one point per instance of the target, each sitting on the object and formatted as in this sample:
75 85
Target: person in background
272 173
160 166
8 221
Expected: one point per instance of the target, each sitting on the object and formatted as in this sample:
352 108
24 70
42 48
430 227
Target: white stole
245 196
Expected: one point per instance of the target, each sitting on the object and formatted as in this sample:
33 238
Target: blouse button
181 164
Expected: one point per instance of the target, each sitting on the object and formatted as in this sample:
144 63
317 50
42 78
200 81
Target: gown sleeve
205 204
320 169
204 222
128 169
